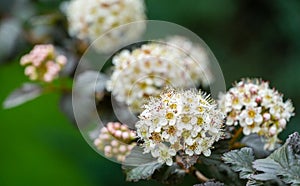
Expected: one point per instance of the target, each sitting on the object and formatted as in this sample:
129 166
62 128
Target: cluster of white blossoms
89 19
185 121
196 61
257 109
43 63
115 140
145 71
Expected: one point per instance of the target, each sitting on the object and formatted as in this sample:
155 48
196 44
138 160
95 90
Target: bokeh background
40 146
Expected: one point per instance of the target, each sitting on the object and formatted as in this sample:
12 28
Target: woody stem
235 137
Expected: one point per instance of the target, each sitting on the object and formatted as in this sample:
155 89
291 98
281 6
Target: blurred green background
250 38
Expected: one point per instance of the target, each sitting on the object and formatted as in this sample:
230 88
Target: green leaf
210 183
215 167
256 143
27 92
139 166
282 163
170 175
241 161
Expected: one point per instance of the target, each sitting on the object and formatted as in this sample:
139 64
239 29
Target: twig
197 174
232 142
200 176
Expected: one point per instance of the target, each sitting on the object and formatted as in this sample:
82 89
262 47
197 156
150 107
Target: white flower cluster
197 61
89 19
185 121
115 140
257 109
147 70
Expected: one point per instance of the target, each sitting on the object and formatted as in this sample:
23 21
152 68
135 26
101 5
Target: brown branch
200 176
233 142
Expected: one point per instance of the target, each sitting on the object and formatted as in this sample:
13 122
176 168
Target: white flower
257 108
89 19
145 71
193 124
196 59
164 154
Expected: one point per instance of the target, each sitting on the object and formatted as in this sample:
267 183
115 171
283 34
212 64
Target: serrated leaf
281 163
138 165
142 172
241 161
26 92
217 168
254 183
170 175
138 157
256 143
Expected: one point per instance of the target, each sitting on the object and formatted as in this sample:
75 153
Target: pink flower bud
125 135
48 77
115 150
282 123
105 136
29 70
123 127
107 149
122 148
277 116
25 60
114 143
110 127
120 158
97 142
267 116
258 100
104 129
273 130
132 134
253 90
61 60
117 125
118 134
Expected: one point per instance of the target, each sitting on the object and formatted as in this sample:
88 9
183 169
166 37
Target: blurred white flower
179 120
115 140
89 19
257 108
145 71
196 60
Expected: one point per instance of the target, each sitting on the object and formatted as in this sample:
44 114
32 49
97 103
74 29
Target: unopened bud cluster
115 140
257 108
42 63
